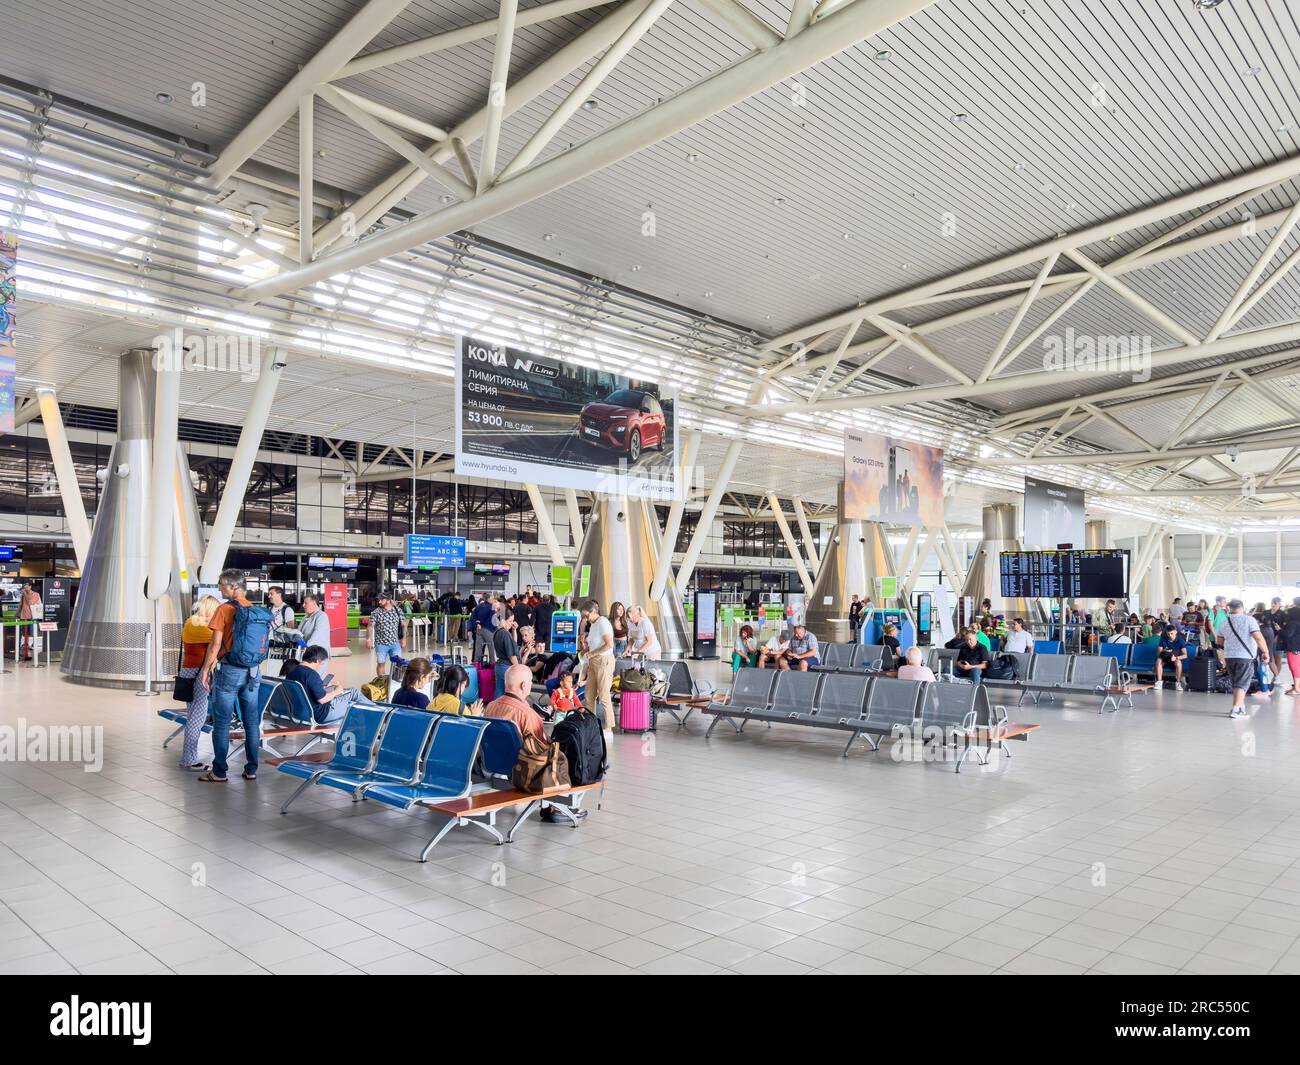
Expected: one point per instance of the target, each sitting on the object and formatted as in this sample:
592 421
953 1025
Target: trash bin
840 630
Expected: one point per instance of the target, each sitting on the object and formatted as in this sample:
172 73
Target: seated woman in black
415 685
889 639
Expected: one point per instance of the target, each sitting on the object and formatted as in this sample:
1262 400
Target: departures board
1097 573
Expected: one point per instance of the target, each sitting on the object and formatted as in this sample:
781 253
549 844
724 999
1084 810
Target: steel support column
162 477
241 465
66 473
791 546
664 567
544 524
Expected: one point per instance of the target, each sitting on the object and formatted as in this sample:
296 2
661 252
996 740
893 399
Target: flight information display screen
1096 573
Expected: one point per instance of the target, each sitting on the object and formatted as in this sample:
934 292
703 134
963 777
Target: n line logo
113 1019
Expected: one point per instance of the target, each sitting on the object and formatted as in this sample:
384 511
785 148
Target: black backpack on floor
583 742
1002 667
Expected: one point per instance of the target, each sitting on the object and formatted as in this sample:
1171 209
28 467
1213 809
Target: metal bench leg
488 826
848 746
965 753
451 823
297 791
179 730
532 805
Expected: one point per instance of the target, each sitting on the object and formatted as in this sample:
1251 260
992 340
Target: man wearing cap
1242 642
386 633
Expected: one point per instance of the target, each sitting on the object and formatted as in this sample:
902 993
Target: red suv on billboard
627 421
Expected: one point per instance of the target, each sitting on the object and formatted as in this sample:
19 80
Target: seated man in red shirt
512 704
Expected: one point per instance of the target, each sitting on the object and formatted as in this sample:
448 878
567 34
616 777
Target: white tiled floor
1163 839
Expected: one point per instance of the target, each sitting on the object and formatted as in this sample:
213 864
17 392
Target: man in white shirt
599 664
1018 640
774 650
1242 642
1176 610
641 638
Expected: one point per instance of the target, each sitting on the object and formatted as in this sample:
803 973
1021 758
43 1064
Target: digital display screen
1099 573
564 626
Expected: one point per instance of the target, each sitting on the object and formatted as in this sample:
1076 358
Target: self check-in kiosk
924 618
706 626
564 631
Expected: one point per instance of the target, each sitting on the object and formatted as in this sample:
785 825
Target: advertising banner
336 610
422 550
526 418
893 481
1053 514
8 321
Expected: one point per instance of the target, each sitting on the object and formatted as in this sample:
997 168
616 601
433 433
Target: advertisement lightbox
526 418
1053 514
891 480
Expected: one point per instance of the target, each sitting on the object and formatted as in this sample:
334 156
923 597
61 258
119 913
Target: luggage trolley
287 645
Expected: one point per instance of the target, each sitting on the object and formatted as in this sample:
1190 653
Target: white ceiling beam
1174 329
829 369
994 363
1236 342
1191 201
908 339
738 18
1259 442
440 42
590 82
496 101
1150 391
327 61
395 141
723 89
1261 264
1115 423
1198 408
1287 265
373 205
1150 254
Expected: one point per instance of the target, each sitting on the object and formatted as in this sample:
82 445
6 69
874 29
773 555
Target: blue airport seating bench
285 710
850 656
407 758
1059 674
870 707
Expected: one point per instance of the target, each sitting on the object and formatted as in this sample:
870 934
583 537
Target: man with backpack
232 673
1242 642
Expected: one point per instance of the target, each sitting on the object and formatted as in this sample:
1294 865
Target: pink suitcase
487 683
634 711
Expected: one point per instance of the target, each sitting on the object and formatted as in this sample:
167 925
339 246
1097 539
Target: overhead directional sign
424 550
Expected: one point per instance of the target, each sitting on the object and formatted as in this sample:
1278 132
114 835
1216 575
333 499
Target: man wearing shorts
386 634
1242 642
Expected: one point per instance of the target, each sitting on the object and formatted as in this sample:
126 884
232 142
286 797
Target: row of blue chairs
406 758
1136 657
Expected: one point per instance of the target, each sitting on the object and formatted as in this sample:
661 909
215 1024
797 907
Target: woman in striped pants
195 637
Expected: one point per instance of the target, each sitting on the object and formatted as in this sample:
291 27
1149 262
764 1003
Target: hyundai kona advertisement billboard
532 419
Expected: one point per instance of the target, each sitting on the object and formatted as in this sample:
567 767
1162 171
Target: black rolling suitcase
1200 672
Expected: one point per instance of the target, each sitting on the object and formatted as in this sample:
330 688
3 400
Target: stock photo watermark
237 353
53 743
1115 353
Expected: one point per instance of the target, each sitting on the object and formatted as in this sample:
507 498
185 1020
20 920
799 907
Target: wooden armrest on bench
1011 730
484 802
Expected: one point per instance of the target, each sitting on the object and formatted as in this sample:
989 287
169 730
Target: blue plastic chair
355 749
398 759
1117 651
1047 647
1143 658
447 767
500 748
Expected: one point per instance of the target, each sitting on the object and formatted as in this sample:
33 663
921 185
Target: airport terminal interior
561 487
